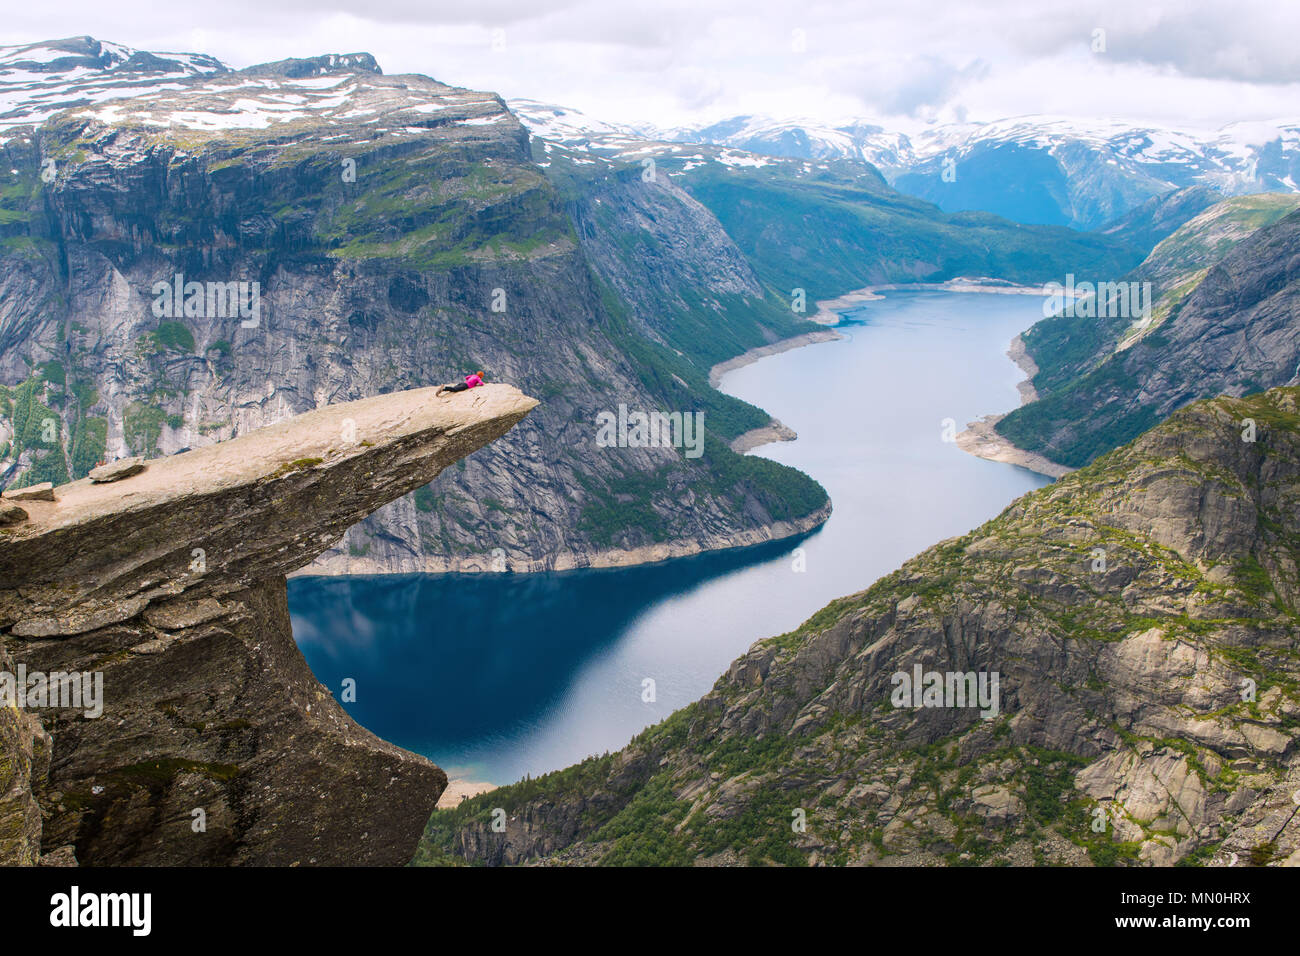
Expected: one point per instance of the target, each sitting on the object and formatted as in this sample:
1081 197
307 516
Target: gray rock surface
42 492
1226 324
172 587
116 470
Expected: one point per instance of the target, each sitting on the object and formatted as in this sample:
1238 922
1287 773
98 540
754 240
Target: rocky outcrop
215 744
1140 616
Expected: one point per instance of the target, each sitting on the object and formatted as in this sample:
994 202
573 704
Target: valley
967 452
517 675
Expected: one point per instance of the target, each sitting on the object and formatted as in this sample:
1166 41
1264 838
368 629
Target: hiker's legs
458 387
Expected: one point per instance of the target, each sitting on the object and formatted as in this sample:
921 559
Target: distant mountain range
1032 169
827 225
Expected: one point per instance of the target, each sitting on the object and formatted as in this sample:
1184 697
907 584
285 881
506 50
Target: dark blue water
494 676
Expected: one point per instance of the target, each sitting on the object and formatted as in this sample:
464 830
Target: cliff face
1223 321
1144 226
401 235
171 585
1141 617
24 770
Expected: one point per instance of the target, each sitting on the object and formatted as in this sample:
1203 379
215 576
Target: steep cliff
400 234
1160 216
1141 618
213 743
1222 321
24 771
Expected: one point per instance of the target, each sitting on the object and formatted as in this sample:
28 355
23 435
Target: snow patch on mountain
38 80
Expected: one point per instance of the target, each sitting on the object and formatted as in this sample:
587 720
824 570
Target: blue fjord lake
495 676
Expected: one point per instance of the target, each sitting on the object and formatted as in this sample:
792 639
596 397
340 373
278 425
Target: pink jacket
473 380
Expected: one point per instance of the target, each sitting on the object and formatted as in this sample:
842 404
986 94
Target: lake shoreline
774 431
828 310
982 439
775 348
345 565
348 565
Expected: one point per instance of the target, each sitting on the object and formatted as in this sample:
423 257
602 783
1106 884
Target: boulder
11 514
42 492
117 470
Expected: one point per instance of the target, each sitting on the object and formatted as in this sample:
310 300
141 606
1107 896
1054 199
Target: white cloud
675 61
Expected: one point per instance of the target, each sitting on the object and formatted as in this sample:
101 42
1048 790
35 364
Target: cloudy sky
1193 64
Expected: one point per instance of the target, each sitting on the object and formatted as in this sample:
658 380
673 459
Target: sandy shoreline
458 790
1019 354
763 351
773 431
828 310
982 440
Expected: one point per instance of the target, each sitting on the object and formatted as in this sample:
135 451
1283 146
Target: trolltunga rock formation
171 583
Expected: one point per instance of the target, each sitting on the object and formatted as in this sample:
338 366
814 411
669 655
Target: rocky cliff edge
215 745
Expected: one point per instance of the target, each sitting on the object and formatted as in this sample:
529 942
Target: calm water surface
496 676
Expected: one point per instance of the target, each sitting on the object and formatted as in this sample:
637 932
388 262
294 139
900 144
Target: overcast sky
1194 64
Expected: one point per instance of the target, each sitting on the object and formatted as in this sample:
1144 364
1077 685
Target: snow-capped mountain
585 141
1038 169
113 84
573 129
802 139
1033 169
1084 174
38 80
581 139
1231 153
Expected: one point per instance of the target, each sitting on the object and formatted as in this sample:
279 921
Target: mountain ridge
1073 172
1221 321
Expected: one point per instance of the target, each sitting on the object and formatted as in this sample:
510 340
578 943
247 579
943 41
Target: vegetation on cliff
1221 322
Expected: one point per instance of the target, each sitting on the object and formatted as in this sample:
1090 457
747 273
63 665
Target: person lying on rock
471 381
